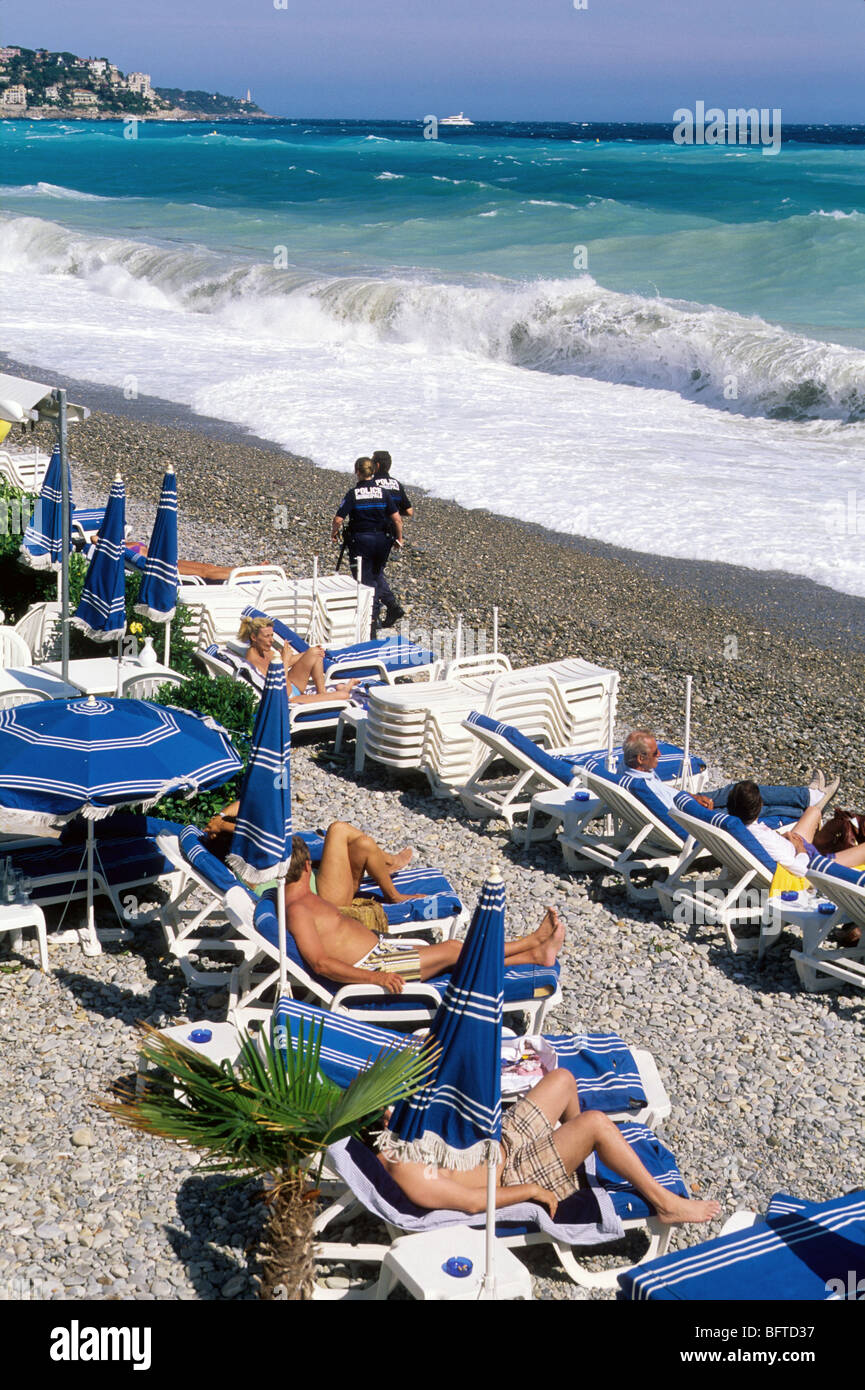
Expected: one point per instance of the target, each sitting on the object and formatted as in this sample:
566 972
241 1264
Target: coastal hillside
39 83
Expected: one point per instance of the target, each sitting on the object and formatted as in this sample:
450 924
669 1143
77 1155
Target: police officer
373 524
382 460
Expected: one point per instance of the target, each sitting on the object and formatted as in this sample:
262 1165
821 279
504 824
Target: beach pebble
764 1079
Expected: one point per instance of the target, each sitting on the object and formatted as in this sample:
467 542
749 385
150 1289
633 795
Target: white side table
17 917
223 1045
805 914
554 805
416 1261
354 715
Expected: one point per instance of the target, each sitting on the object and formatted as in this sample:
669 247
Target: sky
494 59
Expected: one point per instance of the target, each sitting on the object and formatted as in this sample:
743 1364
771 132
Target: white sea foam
51 190
440 372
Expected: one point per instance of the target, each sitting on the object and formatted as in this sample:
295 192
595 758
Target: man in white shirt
641 755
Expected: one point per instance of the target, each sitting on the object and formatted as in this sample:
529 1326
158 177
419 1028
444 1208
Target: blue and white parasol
261 845
157 597
101 614
42 547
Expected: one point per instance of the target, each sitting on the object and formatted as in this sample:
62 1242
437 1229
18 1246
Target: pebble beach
765 1080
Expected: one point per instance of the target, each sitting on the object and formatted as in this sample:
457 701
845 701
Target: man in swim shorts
342 950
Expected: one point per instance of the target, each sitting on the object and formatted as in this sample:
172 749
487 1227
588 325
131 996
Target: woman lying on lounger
545 1138
300 667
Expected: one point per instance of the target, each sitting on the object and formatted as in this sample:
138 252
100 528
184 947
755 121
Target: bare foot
550 948
550 937
344 689
677 1211
399 861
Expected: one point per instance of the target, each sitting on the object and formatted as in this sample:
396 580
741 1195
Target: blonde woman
300 667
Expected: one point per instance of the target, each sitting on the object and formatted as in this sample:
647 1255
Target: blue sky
495 59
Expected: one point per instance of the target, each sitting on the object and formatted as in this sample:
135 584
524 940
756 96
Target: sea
590 327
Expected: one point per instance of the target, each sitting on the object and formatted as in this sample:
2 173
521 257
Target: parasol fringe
156 615
249 874
430 1148
38 562
113 636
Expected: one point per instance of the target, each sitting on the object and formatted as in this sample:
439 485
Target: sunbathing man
538 1161
348 855
640 753
342 950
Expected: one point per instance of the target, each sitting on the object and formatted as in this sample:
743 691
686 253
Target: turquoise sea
587 326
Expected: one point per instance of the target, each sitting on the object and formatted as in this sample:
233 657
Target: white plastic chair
39 629
14 650
143 686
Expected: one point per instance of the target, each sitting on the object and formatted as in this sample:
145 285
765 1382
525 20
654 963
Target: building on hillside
82 96
139 82
14 96
98 66
113 75
8 53
52 93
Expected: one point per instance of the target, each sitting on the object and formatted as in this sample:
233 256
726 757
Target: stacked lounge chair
422 727
332 610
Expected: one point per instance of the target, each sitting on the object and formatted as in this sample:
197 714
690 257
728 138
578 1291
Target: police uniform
396 489
368 508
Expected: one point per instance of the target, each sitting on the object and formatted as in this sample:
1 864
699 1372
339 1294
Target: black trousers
370 550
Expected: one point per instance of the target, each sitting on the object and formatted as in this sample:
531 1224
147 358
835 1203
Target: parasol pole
488 1283
280 917
91 944
686 761
495 631
65 536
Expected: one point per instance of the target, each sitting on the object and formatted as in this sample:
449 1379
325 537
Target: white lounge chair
641 841
529 990
305 718
736 897
40 629
599 1214
439 912
421 727
820 967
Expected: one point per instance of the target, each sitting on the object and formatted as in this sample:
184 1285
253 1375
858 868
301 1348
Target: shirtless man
538 1161
344 951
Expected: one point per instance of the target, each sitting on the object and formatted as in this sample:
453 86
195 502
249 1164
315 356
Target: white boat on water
456 120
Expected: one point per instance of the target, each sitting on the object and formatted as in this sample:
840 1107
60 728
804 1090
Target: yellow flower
137 628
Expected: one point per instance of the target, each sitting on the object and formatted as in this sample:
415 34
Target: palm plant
272 1114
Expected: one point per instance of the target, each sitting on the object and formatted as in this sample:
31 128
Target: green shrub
232 705
20 586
